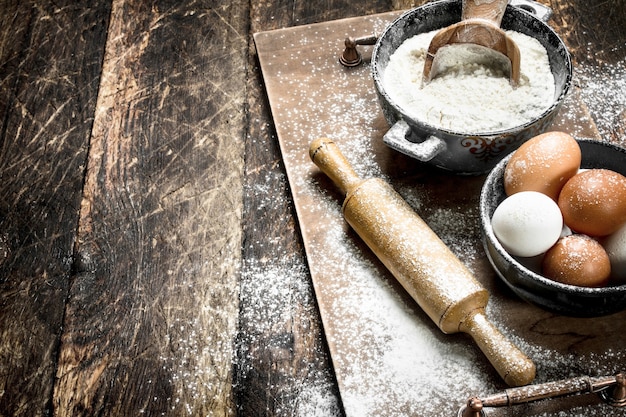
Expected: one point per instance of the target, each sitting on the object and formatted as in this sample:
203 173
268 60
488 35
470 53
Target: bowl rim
556 103
527 274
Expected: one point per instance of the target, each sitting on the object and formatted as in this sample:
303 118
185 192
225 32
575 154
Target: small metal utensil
351 56
612 390
479 25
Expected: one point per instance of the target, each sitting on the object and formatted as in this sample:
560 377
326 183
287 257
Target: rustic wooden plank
283 367
596 36
50 58
280 358
594 30
153 308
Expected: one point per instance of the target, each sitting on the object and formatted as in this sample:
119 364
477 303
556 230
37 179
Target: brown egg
593 202
577 260
544 164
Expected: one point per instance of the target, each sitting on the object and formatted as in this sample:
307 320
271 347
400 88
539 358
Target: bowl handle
540 11
396 138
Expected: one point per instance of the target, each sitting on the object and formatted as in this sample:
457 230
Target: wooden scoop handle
480 25
491 10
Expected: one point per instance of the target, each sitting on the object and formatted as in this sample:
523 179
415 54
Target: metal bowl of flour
457 151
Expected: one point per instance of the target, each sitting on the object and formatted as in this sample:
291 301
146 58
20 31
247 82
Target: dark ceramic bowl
463 152
553 296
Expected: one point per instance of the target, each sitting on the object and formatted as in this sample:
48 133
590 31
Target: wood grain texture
124 298
595 34
594 29
283 366
153 307
50 58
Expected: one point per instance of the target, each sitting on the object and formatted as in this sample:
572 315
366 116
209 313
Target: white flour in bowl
471 92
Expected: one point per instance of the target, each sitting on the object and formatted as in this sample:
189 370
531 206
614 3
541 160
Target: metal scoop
480 25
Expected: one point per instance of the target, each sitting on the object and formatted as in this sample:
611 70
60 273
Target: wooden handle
480 26
491 10
327 156
512 364
434 277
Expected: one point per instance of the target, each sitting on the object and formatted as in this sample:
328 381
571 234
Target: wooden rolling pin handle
410 250
511 364
327 156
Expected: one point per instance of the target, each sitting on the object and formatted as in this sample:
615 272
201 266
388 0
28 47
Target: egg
543 164
527 223
593 202
577 260
615 246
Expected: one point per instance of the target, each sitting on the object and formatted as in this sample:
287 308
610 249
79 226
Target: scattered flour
390 359
603 91
471 92
270 290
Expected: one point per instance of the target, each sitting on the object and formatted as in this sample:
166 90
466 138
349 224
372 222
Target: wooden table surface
150 256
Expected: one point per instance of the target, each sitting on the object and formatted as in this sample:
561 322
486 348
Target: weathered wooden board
282 366
596 35
129 342
50 59
389 359
152 310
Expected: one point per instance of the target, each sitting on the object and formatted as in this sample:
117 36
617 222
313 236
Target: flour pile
471 92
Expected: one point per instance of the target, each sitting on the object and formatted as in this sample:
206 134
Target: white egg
615 246
527 223
566 230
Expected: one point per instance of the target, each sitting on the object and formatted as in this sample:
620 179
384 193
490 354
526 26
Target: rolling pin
434 277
